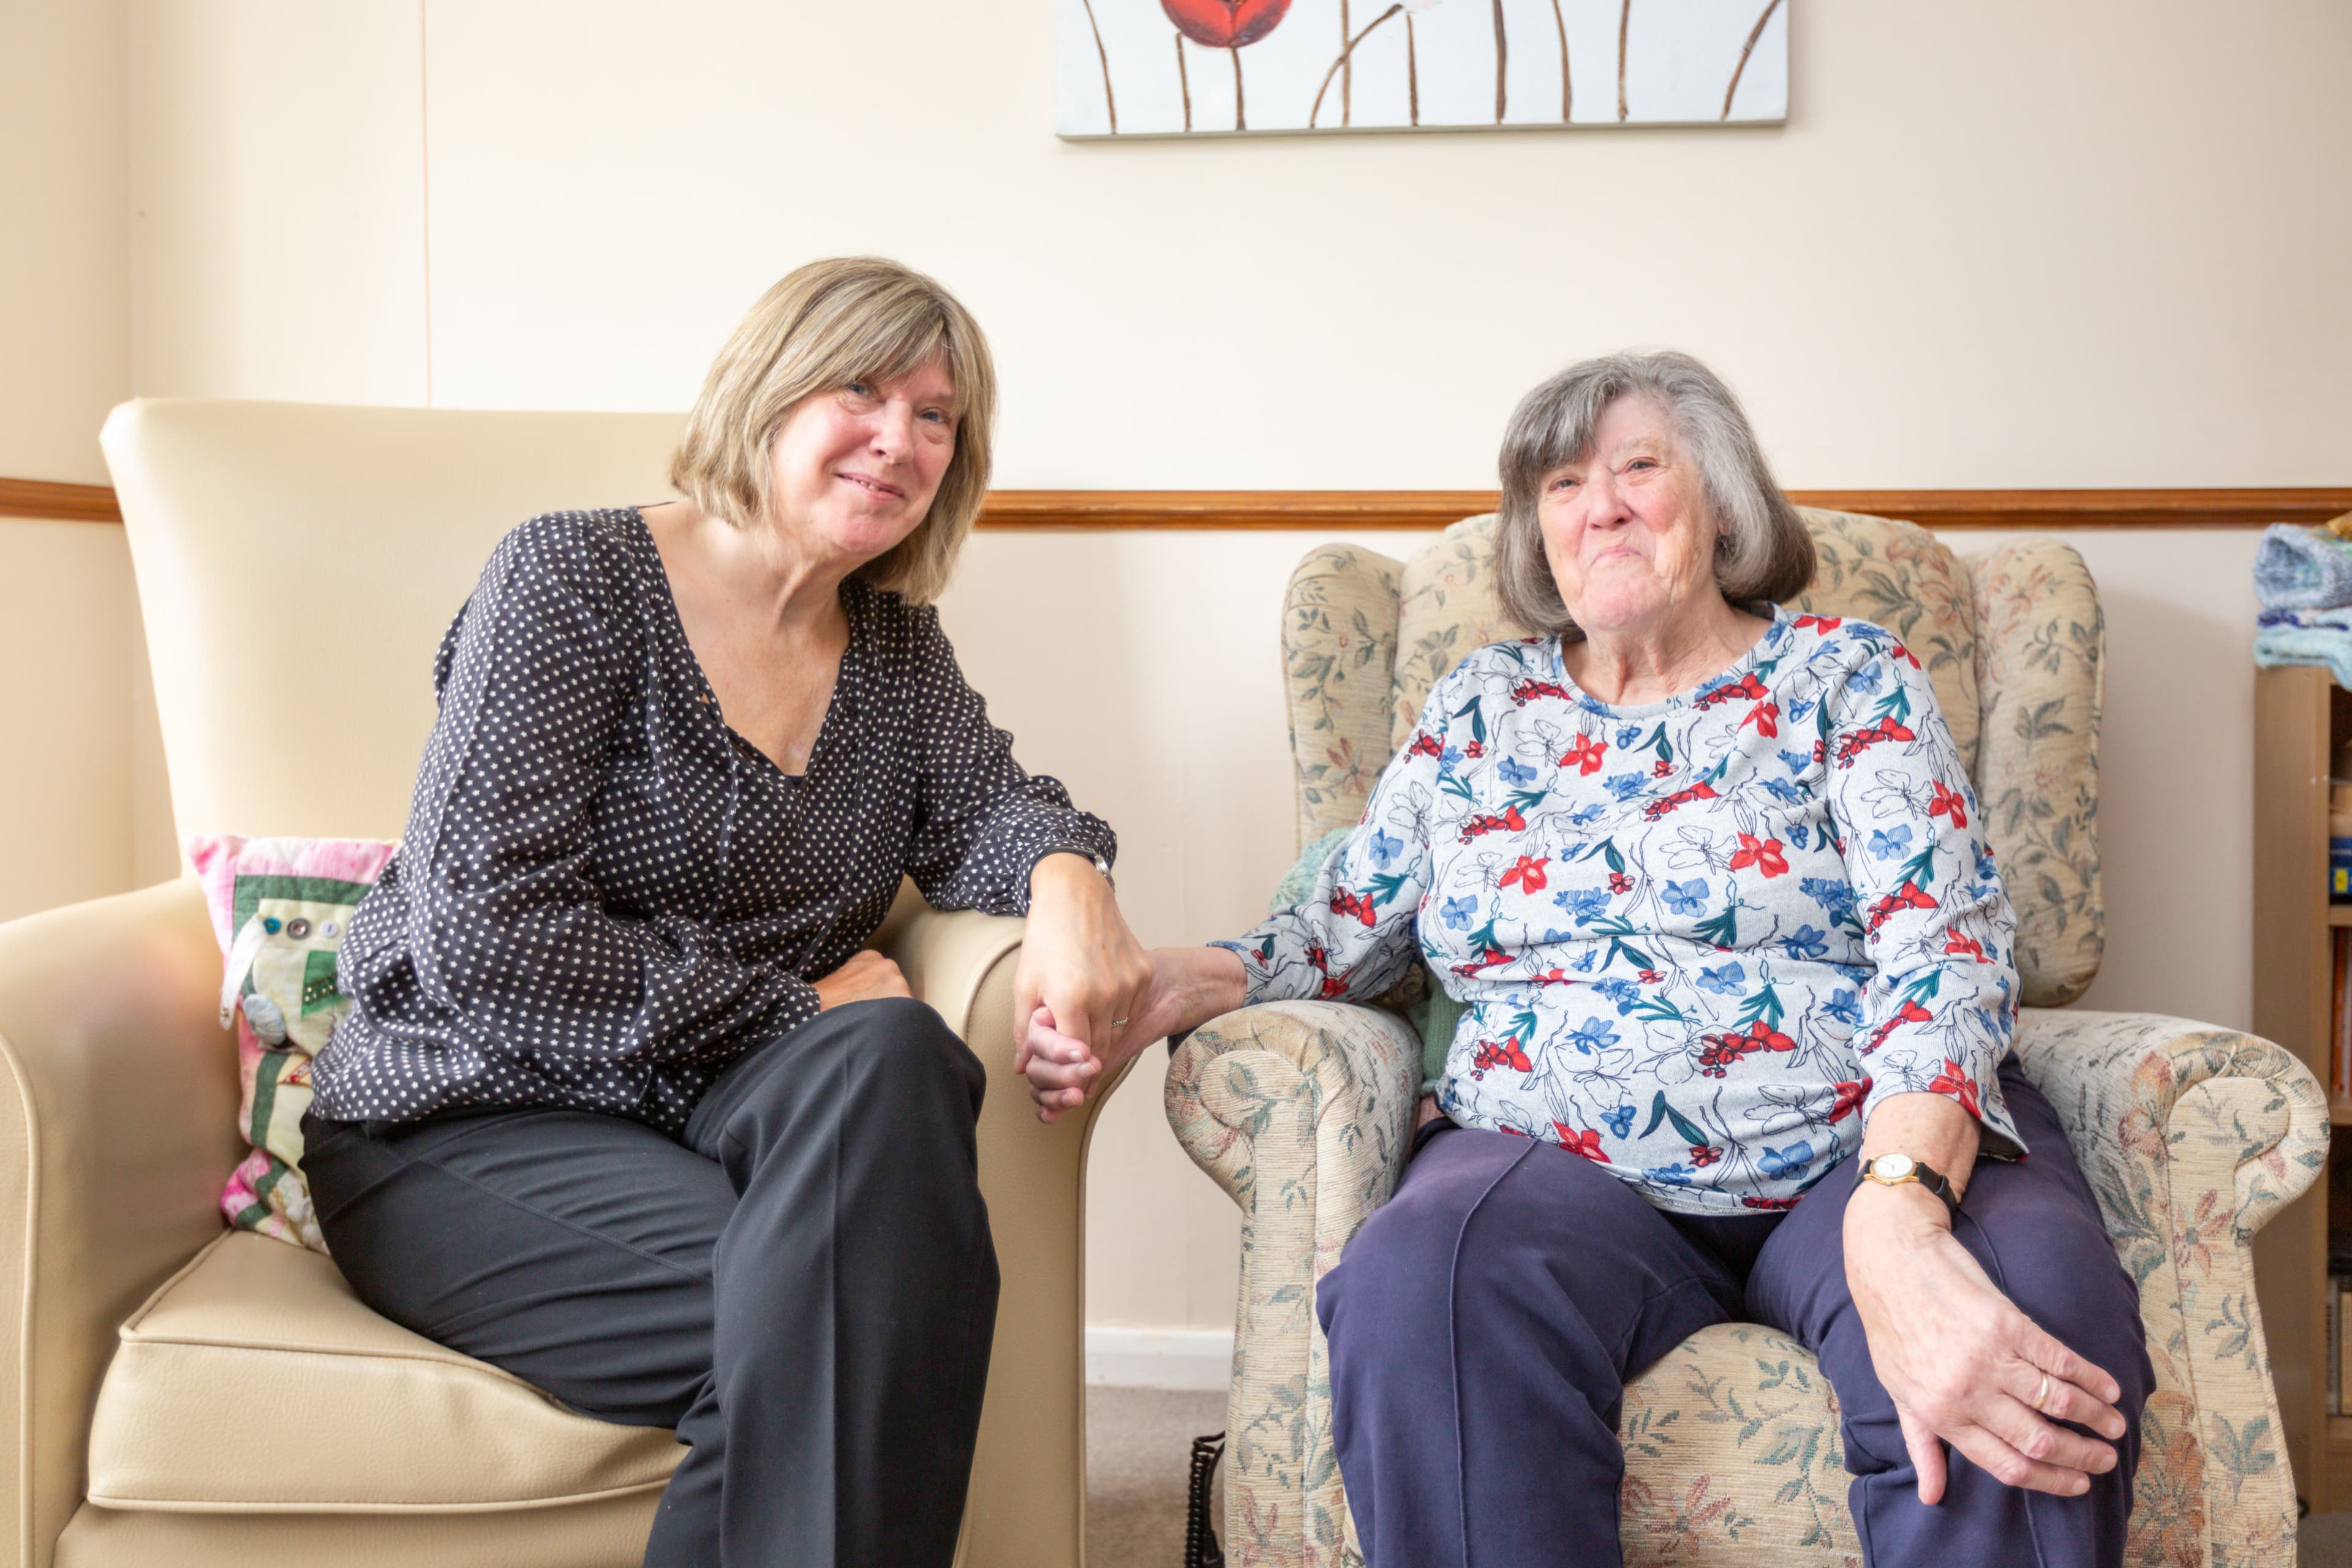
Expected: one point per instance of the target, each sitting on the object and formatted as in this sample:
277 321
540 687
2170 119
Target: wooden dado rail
1312 511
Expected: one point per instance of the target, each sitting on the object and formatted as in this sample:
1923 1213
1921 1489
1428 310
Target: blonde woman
625 1104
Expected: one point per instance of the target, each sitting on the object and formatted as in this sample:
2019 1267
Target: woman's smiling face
1627 532
854 470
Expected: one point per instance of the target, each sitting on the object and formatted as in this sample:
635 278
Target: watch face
1891 1167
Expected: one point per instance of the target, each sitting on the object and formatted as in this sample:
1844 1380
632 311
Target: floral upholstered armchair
2193 1137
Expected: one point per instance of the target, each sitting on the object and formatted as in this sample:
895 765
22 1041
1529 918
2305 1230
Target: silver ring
1118 1022
2042 1396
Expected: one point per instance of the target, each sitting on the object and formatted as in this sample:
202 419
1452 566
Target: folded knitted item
2328 646
2302 569
2307 620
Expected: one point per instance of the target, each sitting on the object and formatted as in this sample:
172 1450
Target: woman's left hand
1078 960
1961 1361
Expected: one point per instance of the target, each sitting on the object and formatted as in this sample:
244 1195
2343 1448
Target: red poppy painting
1159 67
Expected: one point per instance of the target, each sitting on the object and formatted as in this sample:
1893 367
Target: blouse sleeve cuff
1257 980
1974 1087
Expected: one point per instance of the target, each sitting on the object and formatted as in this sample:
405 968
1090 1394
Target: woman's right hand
1188 986
866 978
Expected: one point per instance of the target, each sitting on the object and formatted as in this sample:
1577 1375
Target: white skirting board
1120 1356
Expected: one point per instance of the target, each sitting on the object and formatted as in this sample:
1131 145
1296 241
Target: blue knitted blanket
2302 569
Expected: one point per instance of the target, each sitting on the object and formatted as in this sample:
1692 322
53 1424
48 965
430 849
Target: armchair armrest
117 1125
2192 1137
1303 1112
1027 1498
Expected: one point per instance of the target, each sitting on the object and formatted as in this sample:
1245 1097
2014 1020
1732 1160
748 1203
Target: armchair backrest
2013 639
297 567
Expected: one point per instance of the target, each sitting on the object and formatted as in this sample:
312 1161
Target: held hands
1079 966
1187 987
1962 1363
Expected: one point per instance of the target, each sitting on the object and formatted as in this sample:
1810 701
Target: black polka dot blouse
606 896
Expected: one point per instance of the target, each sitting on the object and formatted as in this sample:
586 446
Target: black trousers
804 1285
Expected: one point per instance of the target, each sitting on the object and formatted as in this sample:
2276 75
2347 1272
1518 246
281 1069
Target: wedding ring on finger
1118 1022
2042 1396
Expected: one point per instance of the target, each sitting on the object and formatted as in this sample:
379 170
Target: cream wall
2098 244
66 733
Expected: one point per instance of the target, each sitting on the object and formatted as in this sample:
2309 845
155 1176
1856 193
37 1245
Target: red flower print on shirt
1474 749
1747 686
1344 902
1766 716
1529 873
1854 744
1721 1052
1849 1099
1680 797
1764 854
1511 821
1947 800
1661 768
1584 1141
1821 623
1907 896
1909 1012
1953 1080
1619 882
1425 745
1955 943
1527 691
1486 960
1899 651
1584 754
1500 1054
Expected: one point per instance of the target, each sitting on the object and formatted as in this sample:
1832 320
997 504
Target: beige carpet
1138 1451
1139 1455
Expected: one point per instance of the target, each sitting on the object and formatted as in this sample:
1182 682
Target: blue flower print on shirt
1585 905
1625 786
1447 758
1627 735
1584 814
1678 1175
1385 848
1784 791
1866 680
1836 899
1796 762
1593 1035
1625 992
1687 898
1886 843
1514 771
1807 943
1799 834
1725 981
1619 1121
1790 1162
1845 1007
1459 912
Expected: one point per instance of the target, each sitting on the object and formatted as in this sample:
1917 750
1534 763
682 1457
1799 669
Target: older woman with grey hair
1736 968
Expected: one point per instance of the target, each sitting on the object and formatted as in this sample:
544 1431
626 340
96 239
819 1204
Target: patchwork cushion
279 907
257 1349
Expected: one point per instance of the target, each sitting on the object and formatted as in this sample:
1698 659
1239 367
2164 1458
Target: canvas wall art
1175 67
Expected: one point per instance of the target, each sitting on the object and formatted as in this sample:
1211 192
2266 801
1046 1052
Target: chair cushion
1732 1456
255 1380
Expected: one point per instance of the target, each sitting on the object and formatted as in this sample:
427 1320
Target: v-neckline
736 740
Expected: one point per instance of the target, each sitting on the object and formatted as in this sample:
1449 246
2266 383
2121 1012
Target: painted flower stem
1567 84
1345 53
1346 71
1184 81
1745 49
1240 121
1502 57
1109 103
1411 70
1625 24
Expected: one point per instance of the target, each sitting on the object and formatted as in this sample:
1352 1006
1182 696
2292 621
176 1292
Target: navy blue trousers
1484 1323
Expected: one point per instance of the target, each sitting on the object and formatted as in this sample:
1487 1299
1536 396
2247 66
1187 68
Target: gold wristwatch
1894 1170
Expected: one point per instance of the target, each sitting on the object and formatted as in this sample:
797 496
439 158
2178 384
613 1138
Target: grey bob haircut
1763 551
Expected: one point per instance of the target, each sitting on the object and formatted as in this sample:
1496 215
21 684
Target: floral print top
1698 939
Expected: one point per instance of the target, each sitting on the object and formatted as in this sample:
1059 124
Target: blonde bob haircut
1763 553
854 318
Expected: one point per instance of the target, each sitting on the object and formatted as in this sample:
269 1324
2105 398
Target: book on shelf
2339 1365
2339 1033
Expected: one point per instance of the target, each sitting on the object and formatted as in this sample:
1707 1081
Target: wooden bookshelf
2300 717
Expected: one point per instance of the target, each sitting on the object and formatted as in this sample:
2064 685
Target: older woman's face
854 470
1626 529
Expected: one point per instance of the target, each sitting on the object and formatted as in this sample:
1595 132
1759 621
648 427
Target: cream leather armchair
174 1394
